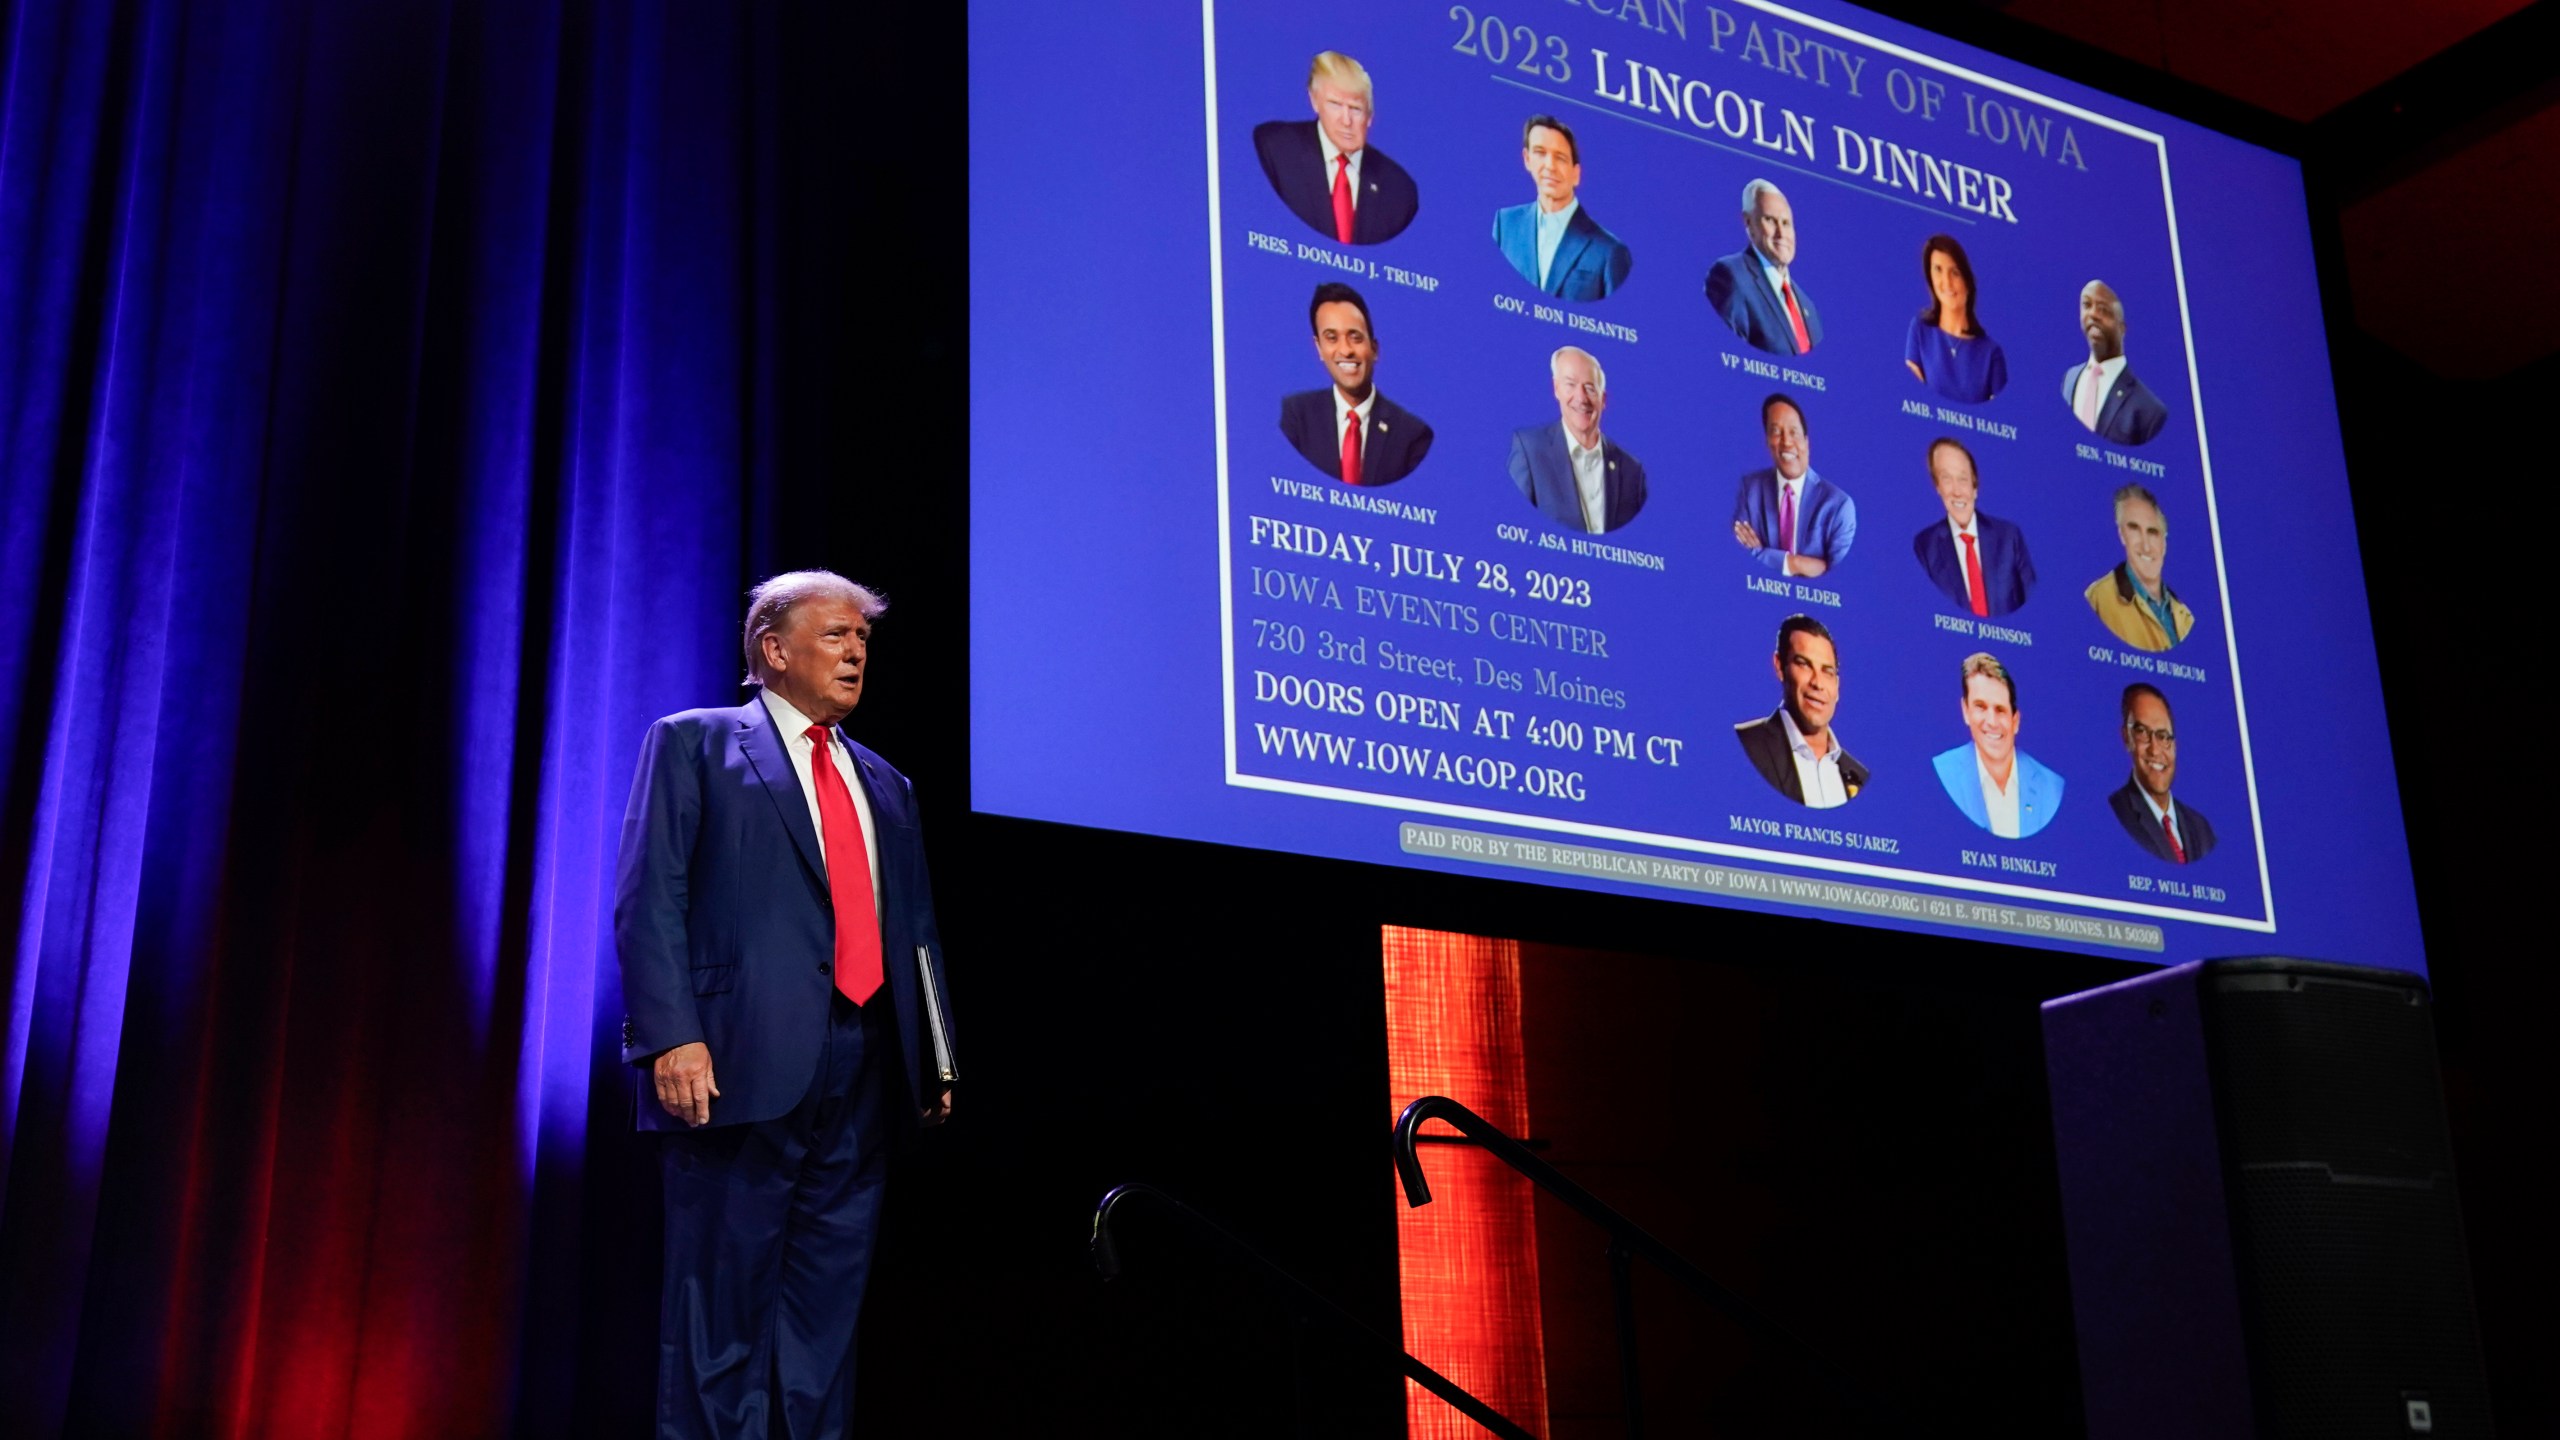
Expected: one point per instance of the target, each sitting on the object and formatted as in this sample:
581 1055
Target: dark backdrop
395 402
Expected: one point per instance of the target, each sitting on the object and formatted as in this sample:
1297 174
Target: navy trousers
769 1237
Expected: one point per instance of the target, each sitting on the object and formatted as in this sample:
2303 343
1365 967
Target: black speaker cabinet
2258 1196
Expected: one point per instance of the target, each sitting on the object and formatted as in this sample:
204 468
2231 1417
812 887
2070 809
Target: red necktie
1342 201
1786 518
1351 449
1973 580
2177 851
1795 317
848 876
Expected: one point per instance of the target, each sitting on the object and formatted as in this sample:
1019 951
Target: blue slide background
1097 674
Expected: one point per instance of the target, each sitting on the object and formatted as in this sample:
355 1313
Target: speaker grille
2347 1226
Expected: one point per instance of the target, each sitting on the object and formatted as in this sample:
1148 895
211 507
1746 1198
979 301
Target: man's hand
685 1086
1749 537
940 1110
1807 566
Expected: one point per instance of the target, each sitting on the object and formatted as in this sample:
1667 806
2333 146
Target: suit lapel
2115 399
1570 248
764 749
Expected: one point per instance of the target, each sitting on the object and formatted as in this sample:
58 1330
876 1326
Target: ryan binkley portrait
1576 476
1326 171
1552 241
1997 785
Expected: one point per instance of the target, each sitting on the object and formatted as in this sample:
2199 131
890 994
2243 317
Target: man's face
2101 321
1772 224
1952 474
1579 396
1789 447
1343 342
816 660
2153 745
1809 677
1342 111
1551 163
2146 541
1988 715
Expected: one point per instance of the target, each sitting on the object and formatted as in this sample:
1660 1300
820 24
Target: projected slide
1721 451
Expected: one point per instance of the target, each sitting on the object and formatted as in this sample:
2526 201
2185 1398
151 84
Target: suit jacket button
824 968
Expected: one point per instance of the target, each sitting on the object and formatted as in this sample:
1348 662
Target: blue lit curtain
387 431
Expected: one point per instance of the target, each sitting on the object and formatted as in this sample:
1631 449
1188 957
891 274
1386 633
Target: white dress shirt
1551 235
2001 806
795 740
1817 776
1590 478
1333 152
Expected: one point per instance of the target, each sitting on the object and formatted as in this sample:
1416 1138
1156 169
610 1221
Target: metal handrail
1626 1239
1308 1304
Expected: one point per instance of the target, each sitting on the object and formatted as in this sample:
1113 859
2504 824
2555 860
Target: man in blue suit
1998 786
1980 561
773 919
1576 476
1792 520
1348 430
1754 289
1552 241
2102 392
1326 171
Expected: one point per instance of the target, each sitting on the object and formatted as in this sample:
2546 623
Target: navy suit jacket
1391 444
2130 415
2134 813
1590 262
723 922
2008 572
1543 469
1826 518
1765 741
1739 289
1293 161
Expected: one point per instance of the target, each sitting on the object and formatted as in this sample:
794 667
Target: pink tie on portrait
2086 407
1786 517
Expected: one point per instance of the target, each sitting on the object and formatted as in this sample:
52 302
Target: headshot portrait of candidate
1794 747
2101 390
786 1007
1754 289
1575 475
2171 831
2134 600
1947 349
1792 520
1326 171
1347 429
1978 561
1552 241
1998 786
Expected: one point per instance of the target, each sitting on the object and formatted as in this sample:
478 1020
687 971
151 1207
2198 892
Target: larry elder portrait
2134 600
783 982
1575 475
1792 520
1794 747
2171 831
1754 289
1347 429
1978 561
1326 171
1998 786
2101 390
1552 241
